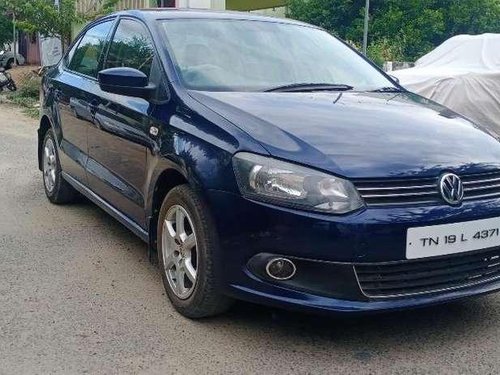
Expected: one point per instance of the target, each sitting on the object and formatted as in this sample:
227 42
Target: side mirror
126 81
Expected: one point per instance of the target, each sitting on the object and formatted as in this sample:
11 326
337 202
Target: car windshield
246 55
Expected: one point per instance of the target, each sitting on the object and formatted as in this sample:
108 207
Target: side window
85 58
131 47
71 52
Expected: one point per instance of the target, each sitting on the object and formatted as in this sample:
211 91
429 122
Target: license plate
424 242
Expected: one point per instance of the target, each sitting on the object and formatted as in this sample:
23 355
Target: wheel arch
167 179
45 126
187 155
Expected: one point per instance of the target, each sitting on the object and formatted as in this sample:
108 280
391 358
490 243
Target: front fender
201 163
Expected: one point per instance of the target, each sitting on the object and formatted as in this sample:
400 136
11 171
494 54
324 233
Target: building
85 6
274 8
27 46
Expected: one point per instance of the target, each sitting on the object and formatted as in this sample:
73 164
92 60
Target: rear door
119 139
73 88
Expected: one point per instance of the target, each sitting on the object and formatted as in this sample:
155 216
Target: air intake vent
407 278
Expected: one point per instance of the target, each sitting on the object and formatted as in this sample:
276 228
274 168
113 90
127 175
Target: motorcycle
6 81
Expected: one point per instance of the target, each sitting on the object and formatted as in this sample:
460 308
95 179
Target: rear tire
9 64
187 252
58 191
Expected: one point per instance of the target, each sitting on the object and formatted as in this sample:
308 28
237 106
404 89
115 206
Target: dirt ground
19 72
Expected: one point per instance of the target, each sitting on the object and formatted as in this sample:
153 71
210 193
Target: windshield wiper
308 87
387 89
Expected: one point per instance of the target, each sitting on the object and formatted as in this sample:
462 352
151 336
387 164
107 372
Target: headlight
267 179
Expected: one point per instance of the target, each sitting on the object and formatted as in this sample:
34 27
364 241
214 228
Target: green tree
471 17
336 16
413 26
5 28
44 17
400 29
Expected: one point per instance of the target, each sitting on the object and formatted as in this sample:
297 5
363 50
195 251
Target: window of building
165 3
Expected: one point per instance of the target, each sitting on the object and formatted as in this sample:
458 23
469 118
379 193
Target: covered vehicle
463 74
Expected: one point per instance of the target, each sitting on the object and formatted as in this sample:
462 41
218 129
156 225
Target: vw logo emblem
451 188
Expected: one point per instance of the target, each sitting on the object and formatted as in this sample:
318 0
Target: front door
119 139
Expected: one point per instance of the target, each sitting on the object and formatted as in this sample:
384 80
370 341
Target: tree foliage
400 29
44 17
5 28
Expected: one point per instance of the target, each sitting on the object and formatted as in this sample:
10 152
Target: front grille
425 190
406 278
486 185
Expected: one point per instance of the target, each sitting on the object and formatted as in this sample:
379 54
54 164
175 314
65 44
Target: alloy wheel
49 165
180 251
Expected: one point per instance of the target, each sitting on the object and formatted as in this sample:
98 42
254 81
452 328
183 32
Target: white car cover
463 74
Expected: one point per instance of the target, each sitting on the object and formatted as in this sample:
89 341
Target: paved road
77 295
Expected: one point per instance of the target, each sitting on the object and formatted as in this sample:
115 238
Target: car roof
153 14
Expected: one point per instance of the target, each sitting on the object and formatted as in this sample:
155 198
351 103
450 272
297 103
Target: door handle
93 106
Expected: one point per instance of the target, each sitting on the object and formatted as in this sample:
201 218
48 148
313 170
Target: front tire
58 191
187 253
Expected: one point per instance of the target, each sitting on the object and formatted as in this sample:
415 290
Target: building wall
133 4
202 4
27 46
87 6
33 55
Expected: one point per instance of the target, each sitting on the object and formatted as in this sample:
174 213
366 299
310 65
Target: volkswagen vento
263 159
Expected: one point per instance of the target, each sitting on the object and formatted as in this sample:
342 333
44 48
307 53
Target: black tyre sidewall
202 302
57 187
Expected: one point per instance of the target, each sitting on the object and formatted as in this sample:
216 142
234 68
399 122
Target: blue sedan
264 159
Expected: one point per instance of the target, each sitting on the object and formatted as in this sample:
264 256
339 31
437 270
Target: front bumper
327 248
302 301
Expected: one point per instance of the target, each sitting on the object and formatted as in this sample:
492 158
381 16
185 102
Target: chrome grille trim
481 181
482 196
425 191
481 187
400 187
399 195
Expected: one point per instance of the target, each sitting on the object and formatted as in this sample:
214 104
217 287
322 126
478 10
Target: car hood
360 134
